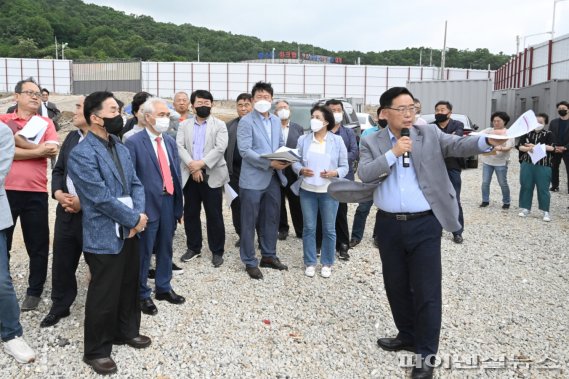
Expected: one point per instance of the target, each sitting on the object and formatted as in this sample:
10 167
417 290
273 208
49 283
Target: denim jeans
502 175
9 309
311 203
360 217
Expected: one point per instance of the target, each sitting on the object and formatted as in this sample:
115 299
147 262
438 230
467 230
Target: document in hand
318 163
538 153
523 125
283 153
229 194
34 129
126 200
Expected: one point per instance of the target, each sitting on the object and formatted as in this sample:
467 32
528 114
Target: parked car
300 112
469 127
366 121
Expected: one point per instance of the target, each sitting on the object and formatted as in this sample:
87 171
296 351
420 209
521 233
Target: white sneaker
524 213
19 349
546 217
326 271
310 271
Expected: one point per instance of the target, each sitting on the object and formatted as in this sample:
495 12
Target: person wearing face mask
350 141
233 159
113 203
155 157
497 161
291 132
137 123
363 209
536 174
418 119
320 145
443 112
202 141
560 129
258 133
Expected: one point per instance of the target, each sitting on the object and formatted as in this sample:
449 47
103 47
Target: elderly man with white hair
155 158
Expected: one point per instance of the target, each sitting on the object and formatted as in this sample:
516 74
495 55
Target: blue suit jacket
98 184
148 171
253 141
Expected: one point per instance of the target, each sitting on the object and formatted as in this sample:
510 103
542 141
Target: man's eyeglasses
32 93
403 110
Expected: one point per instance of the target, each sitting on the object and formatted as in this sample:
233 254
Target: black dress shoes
484 204
238 242
395 344
505 206
283 235
423 372
343 252
52 319
102 366
147 307
138 342
216 260
171 297
273 263
254 272
457 238
554 189
354 242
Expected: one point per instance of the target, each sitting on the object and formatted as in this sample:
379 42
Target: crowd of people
122 190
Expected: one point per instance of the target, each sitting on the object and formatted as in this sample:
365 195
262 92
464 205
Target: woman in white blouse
323 156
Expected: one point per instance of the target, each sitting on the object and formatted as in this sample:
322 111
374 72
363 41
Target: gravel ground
501 301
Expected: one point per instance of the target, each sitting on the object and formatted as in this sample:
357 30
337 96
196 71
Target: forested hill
92 32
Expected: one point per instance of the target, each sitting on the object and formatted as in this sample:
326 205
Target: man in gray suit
10 327
291 132
259 133
416 200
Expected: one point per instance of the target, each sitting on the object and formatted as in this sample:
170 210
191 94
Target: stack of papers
283 153
523 125
34 130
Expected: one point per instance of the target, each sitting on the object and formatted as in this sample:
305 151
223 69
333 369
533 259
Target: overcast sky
367 25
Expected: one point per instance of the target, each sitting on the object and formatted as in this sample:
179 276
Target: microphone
406 155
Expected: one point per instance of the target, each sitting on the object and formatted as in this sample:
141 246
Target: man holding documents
323 156
258 133
416 200
113 203
26 183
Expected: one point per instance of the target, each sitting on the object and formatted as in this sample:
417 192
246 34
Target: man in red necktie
155 158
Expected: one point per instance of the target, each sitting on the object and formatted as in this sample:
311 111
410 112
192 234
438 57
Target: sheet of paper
283 153
229 194
523 125
34 129
317 162
538 153
126 200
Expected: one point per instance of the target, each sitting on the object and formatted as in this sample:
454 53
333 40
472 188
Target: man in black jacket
233 158
559 127
443 111
291 132
68 235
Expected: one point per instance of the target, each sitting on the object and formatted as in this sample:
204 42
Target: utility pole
420 57
63 46
518 44
198 51
56 53
443 56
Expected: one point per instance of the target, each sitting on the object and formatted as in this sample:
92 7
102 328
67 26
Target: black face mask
562 112
382 123
440 117
203 111
113 125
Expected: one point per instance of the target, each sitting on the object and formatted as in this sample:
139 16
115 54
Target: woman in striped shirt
536 174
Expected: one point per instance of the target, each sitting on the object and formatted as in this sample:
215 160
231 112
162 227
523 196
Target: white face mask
316 124
262 106
283 114
539 128
162 124
338 117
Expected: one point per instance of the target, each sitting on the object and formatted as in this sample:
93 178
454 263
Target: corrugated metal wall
107 76
55 75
